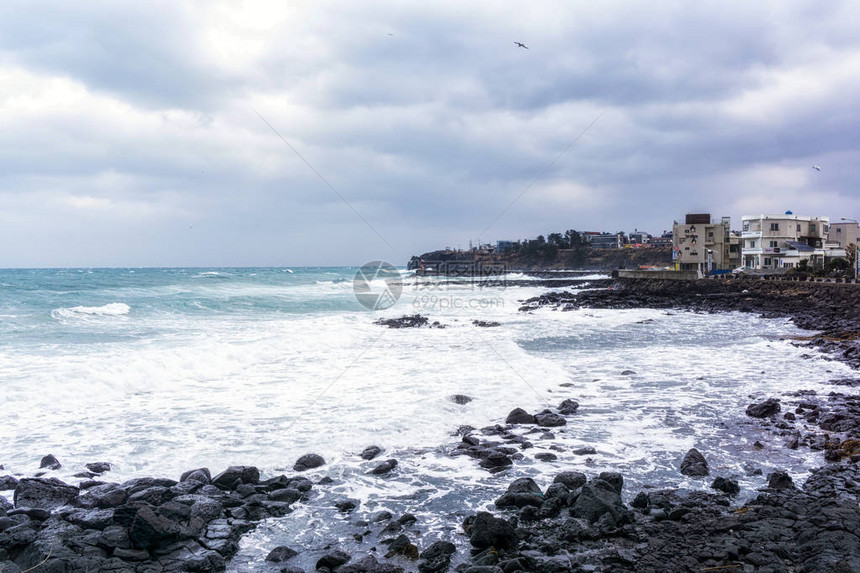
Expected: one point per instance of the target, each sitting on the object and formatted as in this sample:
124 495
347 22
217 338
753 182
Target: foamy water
158 371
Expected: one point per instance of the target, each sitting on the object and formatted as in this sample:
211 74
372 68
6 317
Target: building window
811 228
767 261
838 229
746 225
752 244
773 244
774 226
798 227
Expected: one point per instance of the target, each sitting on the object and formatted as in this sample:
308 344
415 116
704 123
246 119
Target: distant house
700 245
664 240
604 240
782 241
639 238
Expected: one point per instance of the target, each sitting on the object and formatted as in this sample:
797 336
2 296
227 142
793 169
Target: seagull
816 167
521 45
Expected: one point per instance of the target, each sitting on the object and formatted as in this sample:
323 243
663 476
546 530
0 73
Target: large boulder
694 464
8 483
235 476
151 531
489 531
370 452
549 420
44 493
308 462
597 499
779 480
764 409
568 407
519 416
385 467
49 462
570 479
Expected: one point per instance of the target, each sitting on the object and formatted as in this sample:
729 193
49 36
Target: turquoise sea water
161 370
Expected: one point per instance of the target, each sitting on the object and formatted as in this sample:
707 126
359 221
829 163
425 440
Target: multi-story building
700 245
844 234
782 241
604 240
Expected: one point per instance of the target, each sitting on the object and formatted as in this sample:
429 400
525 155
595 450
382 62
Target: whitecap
110 309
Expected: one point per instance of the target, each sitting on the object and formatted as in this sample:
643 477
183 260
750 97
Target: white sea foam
217 389
110 309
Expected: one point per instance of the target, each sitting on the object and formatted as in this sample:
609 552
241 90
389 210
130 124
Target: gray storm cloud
130 133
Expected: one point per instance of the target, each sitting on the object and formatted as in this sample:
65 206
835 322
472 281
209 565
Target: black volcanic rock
548 419
44 493
385 467
519 416
489 531
98 467
370 452
308 462
568 407
50 462
764 409
694 464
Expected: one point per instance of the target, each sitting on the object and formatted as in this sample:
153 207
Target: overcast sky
130 134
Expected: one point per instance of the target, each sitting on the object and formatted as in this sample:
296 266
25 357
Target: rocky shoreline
576 523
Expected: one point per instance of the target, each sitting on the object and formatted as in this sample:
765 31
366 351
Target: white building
782 241
844 234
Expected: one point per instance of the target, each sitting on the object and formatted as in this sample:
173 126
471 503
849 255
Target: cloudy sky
135 134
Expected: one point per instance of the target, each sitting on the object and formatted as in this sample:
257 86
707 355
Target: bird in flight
521 45
816 167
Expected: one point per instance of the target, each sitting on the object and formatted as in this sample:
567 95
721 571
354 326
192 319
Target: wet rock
308 462
369 564
779 480
496 460
370 452
615 479
280 554
98 467
402 546
49 462
486 323
694 464
385 467
103 496
413 321
628 372
43 493
546 457
460 399
549 419
519 416
8 483
437 557
586 451
346 505
571 480
150 531
234 476
485 531
333 559
568 407
764 409
597 499
726 485
200 475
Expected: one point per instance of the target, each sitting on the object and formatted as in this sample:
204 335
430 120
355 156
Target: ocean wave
212 275
110 309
